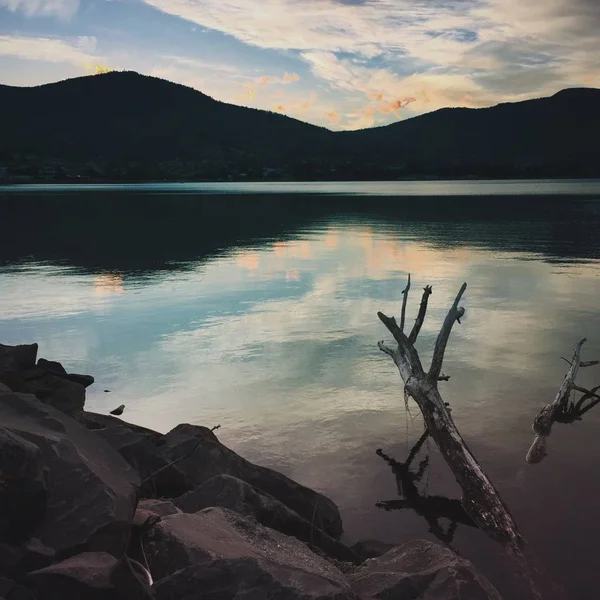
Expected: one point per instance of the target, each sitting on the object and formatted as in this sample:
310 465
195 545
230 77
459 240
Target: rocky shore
94 508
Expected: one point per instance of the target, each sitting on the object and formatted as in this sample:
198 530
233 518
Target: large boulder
209 458
144 450
22 487
237 495
48 380
161 508
17 358
90 575
91 490
55 367
50 388
421 569
372 548
179 541
17 561
248 578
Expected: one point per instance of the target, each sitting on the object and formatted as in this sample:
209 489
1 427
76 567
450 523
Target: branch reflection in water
431 508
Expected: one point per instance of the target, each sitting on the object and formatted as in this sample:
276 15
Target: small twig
215 428
412 338
567 361
173 462
454 314
443 377
385 349
404 300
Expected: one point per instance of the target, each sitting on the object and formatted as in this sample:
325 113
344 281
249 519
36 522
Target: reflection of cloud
290 77
248 260
292 275
108 284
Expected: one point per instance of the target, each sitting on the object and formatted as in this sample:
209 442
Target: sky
342 64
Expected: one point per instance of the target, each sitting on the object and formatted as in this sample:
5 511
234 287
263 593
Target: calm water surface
258 312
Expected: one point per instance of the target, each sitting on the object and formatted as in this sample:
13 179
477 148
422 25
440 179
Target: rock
86 576
52 389
4 388
211 458
421 569
51 365
237 495
248 578
179 541
55 367
91 491
17 358
143 449
17 561
131 580
162 508
10 590
22 487
371 548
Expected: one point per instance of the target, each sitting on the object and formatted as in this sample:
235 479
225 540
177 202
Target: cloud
78 51
290 77
440 52
332 116
63 9
97 68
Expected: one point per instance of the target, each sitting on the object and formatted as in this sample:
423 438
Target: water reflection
259 314
432 508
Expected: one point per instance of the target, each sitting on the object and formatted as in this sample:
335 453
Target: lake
253 307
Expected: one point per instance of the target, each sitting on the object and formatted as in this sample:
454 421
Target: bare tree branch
412 338
542 424
404 301
385 349
454 314
480 499
443 377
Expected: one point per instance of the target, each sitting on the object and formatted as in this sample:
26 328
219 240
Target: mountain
133 126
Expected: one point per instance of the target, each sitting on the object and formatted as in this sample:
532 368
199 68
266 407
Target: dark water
257 311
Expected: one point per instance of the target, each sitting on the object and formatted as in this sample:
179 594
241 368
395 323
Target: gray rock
421 569
10 590
179 541
52 389
211 458
143 449
17 358
4 388
22 487
372 548
17 561
248 579
162 508
237 495
55 367
86 576
91 493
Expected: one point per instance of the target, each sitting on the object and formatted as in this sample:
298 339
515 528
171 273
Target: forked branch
480 499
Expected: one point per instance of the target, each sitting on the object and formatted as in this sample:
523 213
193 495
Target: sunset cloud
63 9
441 52
290 77
77 51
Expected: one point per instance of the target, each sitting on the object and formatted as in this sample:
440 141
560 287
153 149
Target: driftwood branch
404 301
454 314
558 411
480 499
412 338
